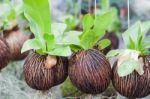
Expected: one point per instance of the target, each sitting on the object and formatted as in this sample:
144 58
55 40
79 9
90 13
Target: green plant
137 45
93 30
49 38
89 70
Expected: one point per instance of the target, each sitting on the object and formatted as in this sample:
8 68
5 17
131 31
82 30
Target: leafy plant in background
11 30
71 22
133 62
115 26
9 13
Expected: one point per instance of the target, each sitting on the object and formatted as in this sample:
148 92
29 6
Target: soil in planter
37 74
133 85
4 53
89 71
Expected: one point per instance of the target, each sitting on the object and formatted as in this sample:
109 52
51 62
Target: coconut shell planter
4 53
130 73
133 85
90 71
40 76
15 39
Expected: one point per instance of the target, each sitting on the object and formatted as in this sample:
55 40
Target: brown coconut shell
133 85
15 40
4 53
89 71
39 77
114 42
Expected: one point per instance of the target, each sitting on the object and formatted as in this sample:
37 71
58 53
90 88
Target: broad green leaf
71 37
132 43
146 42
50 41
89 39
87 22
58 31
11 15
38 12
132 32
104 43
102 23
31 44
113 53
62 37
145 26
60 50
127 67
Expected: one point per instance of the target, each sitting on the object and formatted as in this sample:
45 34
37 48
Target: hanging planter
15 39
12 33
40 75
131 71
89 70
4 53
47 65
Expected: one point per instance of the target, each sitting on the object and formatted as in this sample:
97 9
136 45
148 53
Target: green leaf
87 22
11 15
146 42
31 44
71 37
145 26
50 41
60 50
58 31
102 23
127 67
113 53
88 39
104 43
38 11
132 34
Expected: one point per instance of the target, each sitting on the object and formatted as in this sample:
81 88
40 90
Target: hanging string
95 8
108 4
80 7
89 6
128 3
